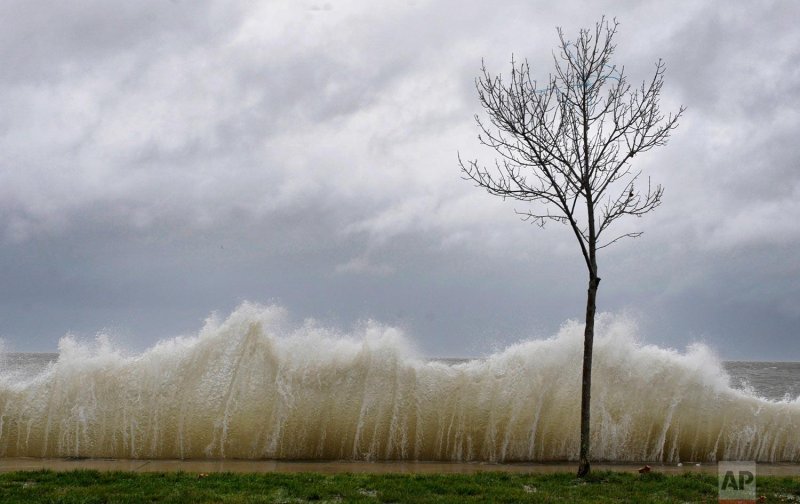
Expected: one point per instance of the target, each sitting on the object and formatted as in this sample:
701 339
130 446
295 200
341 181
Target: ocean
248 387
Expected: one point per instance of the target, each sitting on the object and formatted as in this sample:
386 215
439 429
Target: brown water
249 388
333 467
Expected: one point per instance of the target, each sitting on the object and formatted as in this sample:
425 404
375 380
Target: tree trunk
586 391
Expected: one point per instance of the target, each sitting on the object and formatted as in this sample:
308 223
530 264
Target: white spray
248 388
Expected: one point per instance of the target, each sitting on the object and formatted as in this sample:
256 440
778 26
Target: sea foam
253 387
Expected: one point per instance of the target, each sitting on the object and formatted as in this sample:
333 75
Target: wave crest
253 387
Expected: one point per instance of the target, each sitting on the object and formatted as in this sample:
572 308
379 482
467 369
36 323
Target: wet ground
328 467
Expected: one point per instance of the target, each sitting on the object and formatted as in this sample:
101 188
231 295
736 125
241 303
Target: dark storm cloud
159 161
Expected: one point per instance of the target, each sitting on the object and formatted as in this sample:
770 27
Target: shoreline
13 464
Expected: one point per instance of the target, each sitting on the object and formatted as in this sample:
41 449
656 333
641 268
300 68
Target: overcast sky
160 161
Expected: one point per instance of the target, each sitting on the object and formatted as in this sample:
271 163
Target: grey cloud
45 42
161 161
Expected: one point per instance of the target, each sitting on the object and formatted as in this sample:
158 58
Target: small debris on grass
529 488
368 493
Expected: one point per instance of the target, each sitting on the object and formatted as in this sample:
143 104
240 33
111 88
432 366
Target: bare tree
565 146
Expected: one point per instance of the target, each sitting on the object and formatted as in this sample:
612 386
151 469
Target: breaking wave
251 387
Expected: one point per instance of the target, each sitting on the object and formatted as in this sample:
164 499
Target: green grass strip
124 487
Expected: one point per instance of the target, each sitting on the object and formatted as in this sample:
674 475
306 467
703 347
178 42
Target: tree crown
569 142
